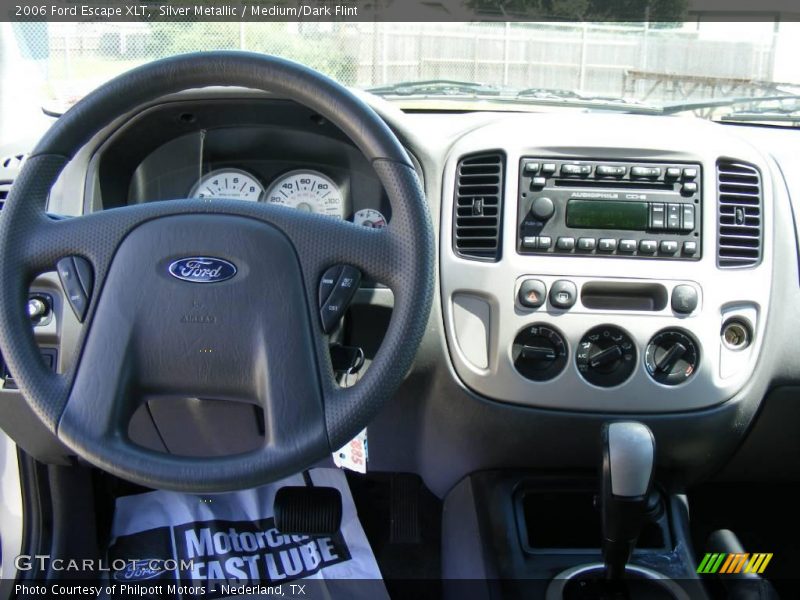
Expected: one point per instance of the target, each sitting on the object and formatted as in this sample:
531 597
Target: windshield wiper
437 87
573 98
765 114
679 107
533 95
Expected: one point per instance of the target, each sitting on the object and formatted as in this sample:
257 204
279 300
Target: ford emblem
202 269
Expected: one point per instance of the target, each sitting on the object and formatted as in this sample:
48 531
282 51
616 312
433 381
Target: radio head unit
609 208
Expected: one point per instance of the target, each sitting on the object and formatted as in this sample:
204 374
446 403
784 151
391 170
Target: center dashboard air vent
478 210
740 210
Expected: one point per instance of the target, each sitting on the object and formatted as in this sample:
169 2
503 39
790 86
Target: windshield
488 66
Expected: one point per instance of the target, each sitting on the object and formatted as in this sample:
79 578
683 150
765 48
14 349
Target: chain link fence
639 61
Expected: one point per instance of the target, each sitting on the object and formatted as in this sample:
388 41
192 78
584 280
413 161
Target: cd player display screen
602 214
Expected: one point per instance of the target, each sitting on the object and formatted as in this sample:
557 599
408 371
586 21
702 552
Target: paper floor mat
176 545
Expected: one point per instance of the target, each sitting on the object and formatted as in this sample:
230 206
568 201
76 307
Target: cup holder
588 581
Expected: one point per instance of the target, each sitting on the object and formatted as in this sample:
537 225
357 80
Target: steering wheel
258 337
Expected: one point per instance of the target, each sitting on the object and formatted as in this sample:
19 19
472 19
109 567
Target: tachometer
234 184
369 217
310 191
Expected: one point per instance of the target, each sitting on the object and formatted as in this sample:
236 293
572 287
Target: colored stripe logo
734 563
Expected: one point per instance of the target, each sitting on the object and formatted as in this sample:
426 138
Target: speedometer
310 191
228 183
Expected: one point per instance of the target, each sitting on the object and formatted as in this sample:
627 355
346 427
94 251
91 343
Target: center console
605 268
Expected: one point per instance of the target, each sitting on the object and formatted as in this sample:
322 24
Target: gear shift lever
628 459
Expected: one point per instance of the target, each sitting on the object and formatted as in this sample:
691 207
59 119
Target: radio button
548 168
645 171
648 246
673 217
673 172
576 169
689 173
531 242
656 215
688 217
689 188
690 248
607 244
531 168
565 243
563 294
542 208
610 171
545 242
627 245
586 244
538 182
668 247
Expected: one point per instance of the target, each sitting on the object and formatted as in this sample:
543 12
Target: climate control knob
672 356
539 352
606 356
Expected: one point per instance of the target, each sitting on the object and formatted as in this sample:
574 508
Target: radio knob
543 208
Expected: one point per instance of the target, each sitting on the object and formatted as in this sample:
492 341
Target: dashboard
591 266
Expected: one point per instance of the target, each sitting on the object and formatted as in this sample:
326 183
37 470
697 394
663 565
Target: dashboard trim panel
612 137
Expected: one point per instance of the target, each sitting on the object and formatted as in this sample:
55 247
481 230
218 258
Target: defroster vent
741 210
479 206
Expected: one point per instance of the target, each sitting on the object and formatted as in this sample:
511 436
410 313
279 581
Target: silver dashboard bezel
724 292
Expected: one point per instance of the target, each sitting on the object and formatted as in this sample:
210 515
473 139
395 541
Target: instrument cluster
303 189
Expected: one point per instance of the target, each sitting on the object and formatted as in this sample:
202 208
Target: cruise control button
607 244
690 248
565 243
334 307
544 242
327 283
684 299
627 245
648 246
532 293
586 244
668 247
563 294
77 279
